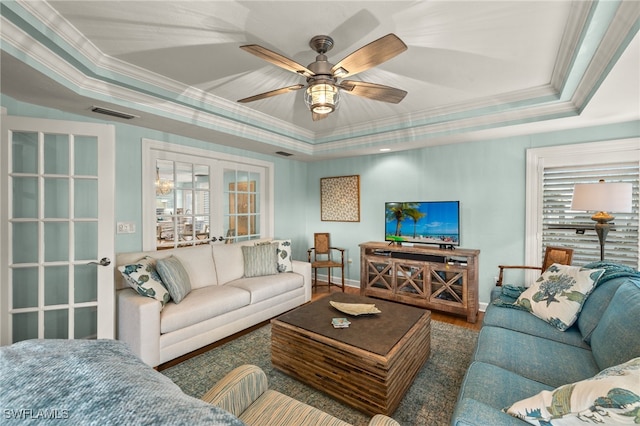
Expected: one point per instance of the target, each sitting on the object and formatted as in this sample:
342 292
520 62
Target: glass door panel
25 288
25 190
182 203
56 285
242 214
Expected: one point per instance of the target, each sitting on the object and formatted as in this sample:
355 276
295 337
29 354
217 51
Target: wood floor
322 291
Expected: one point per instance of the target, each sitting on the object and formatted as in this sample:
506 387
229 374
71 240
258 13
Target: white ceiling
473 69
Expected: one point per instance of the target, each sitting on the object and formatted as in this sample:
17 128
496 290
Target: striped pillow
174 277
260 260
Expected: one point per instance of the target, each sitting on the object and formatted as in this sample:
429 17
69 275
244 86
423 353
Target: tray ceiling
470 67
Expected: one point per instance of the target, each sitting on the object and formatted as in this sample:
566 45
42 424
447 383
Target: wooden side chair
321 255
561 255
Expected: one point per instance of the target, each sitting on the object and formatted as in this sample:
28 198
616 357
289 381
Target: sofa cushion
596 304
557 296
202 304
546 361
260 260
199 264
616 339
284 257
524 322
506 387
610 397
175 277
143 277
263 288
230 261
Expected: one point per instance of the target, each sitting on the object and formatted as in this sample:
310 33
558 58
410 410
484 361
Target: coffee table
369 365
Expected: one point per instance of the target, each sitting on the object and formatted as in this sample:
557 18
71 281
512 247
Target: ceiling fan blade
277 59
271 93
316 117
374 91
374 53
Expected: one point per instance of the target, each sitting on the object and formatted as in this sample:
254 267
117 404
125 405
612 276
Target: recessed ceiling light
385 149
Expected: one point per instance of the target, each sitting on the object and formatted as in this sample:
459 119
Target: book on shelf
340 322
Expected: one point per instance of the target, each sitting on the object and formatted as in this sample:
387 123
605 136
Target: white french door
193 196
56 230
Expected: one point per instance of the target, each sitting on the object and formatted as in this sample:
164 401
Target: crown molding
611 46
48 40
430 131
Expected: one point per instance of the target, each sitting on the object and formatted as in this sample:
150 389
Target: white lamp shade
602 197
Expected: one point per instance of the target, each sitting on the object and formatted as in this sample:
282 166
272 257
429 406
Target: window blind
563 227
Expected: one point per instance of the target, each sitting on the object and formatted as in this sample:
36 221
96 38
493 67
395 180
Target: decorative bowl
355 308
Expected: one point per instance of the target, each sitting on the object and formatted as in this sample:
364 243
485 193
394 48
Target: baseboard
337 280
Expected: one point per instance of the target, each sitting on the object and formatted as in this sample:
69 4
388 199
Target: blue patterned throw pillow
611 397
558 295
143 277
283 255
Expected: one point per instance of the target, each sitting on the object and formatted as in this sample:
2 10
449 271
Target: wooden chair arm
503 267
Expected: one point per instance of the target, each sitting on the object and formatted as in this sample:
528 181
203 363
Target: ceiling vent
284 154
113 113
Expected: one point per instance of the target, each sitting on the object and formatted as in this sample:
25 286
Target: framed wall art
340 199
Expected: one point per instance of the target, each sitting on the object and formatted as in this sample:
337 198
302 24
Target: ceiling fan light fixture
322 98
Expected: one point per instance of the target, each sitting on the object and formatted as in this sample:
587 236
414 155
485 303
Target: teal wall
487 177
289 175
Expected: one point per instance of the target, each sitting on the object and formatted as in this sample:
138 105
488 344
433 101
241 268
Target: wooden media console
422 275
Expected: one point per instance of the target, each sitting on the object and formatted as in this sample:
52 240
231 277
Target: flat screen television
423 222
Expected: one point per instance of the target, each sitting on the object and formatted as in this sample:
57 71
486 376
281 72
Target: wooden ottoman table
369 365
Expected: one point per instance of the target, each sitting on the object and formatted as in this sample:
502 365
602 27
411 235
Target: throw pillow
143 277
610 397
260 260
175 277
557 296
283 255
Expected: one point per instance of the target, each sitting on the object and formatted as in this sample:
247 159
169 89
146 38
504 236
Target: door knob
105 261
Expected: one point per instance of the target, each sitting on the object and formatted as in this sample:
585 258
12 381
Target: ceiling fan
322 90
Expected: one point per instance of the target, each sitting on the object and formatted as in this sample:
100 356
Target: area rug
429 401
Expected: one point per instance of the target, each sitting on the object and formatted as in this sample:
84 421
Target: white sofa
221 302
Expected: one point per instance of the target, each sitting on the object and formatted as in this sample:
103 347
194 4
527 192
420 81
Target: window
564 227
551 175
195 196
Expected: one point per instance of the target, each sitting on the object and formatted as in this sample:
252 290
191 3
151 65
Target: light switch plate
126 228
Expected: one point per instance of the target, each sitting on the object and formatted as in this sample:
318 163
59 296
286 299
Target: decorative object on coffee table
355 308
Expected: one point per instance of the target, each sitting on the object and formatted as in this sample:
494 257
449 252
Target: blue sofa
519 355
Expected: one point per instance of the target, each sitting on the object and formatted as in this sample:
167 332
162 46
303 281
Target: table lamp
602 197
